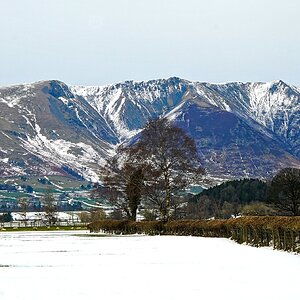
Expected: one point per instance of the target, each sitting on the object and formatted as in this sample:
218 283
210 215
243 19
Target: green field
63 188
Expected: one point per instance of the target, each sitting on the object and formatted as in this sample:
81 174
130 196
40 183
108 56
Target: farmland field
79 265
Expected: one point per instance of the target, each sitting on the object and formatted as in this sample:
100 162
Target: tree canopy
243 191
122 183
284 191
153 169
170 160
229 198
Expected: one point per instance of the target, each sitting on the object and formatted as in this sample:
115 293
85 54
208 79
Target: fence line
278 232
39 223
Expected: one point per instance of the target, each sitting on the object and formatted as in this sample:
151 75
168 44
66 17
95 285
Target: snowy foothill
79 265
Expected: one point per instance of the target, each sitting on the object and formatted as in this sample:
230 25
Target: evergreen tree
6 217
228 198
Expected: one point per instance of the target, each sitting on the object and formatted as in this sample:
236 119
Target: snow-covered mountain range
241 129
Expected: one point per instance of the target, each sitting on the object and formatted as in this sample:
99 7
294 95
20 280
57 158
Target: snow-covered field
76 265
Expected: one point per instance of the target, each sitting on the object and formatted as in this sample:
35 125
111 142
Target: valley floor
78 265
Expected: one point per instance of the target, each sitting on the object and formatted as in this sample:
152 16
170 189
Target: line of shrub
279 232
42 228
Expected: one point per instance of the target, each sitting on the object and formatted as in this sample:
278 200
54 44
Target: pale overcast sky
95 42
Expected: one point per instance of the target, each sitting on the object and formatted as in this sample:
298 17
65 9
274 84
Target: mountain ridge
76 127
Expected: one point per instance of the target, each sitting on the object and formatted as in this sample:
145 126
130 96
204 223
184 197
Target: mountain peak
76 127
279 82
59 89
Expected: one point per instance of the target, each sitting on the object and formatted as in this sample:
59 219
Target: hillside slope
241 129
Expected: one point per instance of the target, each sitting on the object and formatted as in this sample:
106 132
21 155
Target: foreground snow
75 265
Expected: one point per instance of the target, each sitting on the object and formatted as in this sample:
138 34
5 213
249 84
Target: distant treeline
243 191
278 196
231 198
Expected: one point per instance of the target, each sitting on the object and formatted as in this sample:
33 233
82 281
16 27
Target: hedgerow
281 233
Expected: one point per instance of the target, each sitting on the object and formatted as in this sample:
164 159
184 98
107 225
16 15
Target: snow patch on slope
62 152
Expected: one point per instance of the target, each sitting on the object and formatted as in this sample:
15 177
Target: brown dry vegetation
281 233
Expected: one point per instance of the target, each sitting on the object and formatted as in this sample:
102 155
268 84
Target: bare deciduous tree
122 184
284 191
169 160
97 215
24 206
50 208
162 163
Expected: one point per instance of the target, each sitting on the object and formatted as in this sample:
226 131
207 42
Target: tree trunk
168 196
